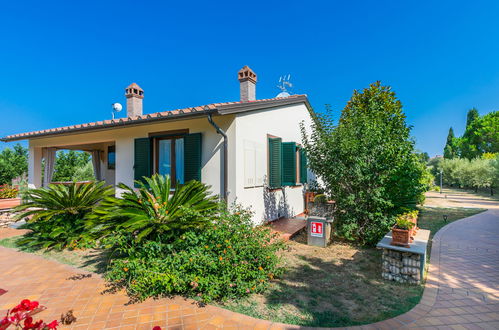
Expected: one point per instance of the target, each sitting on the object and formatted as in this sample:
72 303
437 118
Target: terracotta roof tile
136 119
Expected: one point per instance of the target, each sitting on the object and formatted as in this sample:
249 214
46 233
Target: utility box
319 231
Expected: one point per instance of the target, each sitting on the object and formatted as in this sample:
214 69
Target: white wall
34 166
124 140
242 129
252 128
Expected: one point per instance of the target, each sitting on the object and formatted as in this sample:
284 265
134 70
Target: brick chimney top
134 96
134 90
247 84
246 74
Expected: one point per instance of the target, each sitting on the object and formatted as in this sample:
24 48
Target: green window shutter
275 162
142 159
192 157
288 163
303 166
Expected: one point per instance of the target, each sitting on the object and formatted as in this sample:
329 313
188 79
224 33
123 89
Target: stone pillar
401 267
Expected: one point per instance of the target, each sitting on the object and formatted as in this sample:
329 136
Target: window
111 157
176 154
169 155
287 163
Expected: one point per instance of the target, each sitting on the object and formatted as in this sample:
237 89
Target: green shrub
153 211
57 214
403 223
228 259
320 198
7 191
367 163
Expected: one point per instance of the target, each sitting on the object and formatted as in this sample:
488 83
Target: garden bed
340 285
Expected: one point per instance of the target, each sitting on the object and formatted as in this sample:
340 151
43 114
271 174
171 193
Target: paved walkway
462 290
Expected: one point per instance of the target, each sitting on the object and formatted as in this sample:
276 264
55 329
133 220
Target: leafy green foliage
84 173
70 163
154 211
320 198
475 173
57 214
7 191
404 220
480 137
13 163
367 163
229 258
451 146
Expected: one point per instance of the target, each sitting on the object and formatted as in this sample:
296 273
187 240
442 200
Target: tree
476 173
13 163
450 149
367 163
486 133
481 136
68 163
423 156
471 116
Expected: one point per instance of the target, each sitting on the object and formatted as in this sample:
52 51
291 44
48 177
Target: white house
248 151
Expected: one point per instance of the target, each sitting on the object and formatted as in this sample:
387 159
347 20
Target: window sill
281 188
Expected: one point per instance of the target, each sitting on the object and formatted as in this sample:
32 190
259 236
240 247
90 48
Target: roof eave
116 124
252 106
224 109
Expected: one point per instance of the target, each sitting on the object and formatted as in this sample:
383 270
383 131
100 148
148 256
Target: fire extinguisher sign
316 229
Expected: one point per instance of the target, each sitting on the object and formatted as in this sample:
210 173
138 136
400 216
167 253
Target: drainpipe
225 166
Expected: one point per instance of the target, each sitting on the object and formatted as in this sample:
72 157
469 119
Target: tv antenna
283 85
117 107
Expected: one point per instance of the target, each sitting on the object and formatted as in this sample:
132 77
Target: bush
321 199
367 163
153 211
57 214
228 259
7 191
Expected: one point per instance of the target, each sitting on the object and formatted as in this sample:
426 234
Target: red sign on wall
316 229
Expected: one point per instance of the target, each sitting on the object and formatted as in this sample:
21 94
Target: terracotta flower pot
401 237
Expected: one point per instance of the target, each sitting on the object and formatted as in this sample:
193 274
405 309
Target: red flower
156 328
4 323
25 306
28 322
53 324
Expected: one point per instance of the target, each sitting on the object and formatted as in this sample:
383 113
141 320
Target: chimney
247 80
134 95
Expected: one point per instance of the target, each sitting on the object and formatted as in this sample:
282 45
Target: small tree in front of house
367 163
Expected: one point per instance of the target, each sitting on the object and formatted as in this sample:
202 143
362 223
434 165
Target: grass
91 260
339 285
482 192
432 217
335 286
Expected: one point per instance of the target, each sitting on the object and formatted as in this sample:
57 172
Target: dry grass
335 286
339 285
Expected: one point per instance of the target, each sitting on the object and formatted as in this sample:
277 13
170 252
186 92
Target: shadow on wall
275 203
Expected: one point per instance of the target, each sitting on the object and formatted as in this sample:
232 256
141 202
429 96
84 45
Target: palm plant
56 214
154 211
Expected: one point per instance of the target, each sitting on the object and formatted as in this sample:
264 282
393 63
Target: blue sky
65 62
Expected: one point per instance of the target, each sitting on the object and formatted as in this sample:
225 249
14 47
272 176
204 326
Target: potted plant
402 231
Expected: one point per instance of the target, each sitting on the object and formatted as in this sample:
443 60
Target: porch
42 161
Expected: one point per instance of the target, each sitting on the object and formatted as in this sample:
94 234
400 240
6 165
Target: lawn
335 286
339 285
